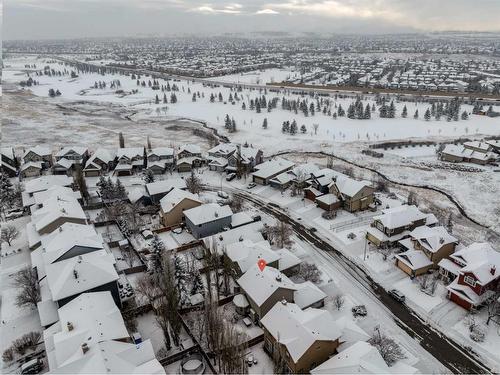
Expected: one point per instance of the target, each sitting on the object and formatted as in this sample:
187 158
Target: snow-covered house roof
272 167
130 153
360 358
175 196
240 218
415 259
161 151
45 182
38 150
348 186
104 155
246 254
251 232
207 213
63 163
190 149
84 341
90 317
114 357
55 208
8 152
400 216
287 259
71 149
478 145
260 285
307 294
283 178
432 238
79 274
481 260
299 329
67 236
327 199
222 149
31 164
165 186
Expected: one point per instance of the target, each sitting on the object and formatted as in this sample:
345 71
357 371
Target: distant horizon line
241 35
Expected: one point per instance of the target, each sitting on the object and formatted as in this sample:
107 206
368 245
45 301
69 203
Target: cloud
233 8
266 11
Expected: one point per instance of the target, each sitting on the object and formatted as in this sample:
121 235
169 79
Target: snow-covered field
141 106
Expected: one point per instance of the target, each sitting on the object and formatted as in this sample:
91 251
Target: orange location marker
262 264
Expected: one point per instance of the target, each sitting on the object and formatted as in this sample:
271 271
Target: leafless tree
412 198
236 203
147 288
494 307
27 281
232 350
8 234
310 272
315 127
338 301
79 180
193 183
388 348
280 234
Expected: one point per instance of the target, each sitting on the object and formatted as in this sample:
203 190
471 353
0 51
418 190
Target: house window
470 281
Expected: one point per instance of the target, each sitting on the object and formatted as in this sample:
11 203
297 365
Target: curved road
448 352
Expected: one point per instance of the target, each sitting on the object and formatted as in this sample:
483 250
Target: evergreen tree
465 116
293 127
264 124
303 129
351 111
368 114
404 114
286 127
157 99
427 115
415 116
243 106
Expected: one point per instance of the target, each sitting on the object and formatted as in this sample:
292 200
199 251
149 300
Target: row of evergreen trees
292 127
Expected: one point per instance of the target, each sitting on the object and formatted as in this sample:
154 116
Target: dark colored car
397 295
359 310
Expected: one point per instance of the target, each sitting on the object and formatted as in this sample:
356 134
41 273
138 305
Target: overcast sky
42 19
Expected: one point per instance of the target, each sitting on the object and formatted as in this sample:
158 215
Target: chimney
441 240
283 302
75 274
85 348
493 269
70 326
278 277
216 214
60 229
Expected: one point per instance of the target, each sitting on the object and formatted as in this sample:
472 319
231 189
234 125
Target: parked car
251 185
230 176
34 366
222 194
313 229
397 295
359 310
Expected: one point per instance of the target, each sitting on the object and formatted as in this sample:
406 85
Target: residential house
396 223
244 255
90 337
355 195
475 271
91 272
457 153
158 189
302 339
100 162
208 219
173 205
78 155
245 158
328 202
217 164
321 179
31 169
41 184
222 150
38 154
282 181
9 162
161 154
241 218
478 146
270 169
265 288
55 211
189 150
360 358
59 192
424 249
63 166
156 167
186 164
129 159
